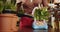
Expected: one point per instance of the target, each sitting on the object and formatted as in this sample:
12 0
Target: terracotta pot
8 22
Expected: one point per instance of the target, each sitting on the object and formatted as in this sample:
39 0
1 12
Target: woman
28 5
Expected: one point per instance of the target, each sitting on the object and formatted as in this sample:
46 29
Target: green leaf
41 14
1 6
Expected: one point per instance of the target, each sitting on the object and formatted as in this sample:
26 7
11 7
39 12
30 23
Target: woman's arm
45 3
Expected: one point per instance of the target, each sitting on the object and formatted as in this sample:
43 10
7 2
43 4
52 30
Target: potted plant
8 18
40 17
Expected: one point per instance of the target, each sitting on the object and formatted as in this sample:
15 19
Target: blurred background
10 14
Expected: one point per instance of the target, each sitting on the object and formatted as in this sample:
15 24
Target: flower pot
8 22
39 25
8 11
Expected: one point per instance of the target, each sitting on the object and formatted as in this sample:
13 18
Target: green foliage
9 5
41 14
21 10
4 4
13 1
13 7
1 6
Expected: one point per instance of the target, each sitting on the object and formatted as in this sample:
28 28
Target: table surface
31 30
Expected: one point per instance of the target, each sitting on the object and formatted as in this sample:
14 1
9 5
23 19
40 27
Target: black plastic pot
8 11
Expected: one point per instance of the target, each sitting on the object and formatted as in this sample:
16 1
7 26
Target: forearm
45 3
